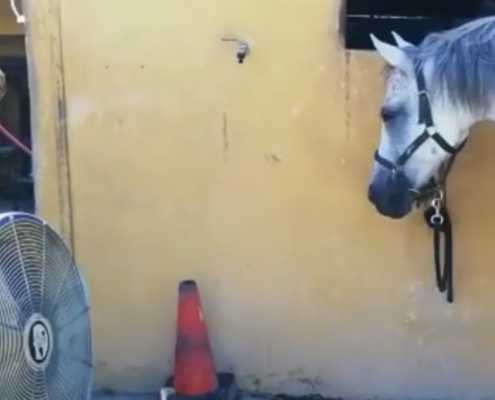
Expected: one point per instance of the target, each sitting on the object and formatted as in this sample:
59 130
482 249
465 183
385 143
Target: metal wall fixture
242 50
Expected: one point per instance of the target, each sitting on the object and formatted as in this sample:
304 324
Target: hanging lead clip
437 218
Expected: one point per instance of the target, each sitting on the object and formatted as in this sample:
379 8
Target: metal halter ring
436 219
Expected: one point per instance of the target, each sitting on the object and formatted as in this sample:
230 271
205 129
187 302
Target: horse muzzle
390 193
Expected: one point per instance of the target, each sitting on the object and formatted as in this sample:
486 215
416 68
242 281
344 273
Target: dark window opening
412 19
16 179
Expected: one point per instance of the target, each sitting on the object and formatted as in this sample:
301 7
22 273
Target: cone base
227 389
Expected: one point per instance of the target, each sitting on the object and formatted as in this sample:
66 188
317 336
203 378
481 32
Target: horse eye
387 114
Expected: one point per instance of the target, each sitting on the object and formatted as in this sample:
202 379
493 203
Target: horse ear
392 54
400 41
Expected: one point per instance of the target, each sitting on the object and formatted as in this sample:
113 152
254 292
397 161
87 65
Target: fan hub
38 341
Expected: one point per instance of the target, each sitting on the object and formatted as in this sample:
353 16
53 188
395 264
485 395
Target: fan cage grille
40 286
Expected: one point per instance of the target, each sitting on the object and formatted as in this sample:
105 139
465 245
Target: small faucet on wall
242 48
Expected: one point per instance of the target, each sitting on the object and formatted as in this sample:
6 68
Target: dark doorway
16 178
412 19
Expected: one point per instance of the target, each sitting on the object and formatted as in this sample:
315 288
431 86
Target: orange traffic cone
194 369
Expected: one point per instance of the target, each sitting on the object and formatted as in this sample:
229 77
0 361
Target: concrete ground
154 397
125 397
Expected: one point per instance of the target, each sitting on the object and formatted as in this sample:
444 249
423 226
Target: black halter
436 215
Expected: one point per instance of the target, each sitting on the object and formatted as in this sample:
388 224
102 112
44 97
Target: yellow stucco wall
251 179
8 23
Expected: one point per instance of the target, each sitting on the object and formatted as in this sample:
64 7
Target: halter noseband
430 132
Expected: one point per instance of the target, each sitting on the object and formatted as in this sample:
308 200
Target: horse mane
463 63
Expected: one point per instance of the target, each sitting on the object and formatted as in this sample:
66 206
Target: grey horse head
458 67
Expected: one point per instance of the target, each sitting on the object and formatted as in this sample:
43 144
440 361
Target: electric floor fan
45 334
